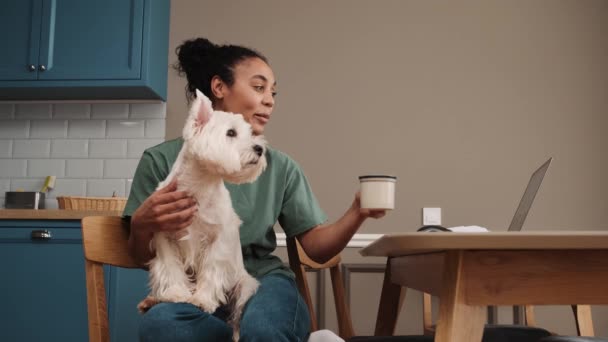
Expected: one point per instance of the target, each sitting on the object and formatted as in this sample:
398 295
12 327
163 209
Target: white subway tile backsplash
155 128
6 148
33 148
71 111
107 148
110 111
148 111
33 111
119 168
70 187
12 168
69 148
5 185
55 129
125 129
45 167
84 168
7 111
27 184
92 149
11 129
106 187
136 147
86 129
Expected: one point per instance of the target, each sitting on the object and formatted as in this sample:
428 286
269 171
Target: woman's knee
182 322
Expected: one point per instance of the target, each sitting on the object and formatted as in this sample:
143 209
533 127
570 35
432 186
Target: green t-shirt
281 193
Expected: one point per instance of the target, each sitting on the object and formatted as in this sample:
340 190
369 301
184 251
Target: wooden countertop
52 214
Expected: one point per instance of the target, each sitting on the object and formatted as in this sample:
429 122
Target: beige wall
460 100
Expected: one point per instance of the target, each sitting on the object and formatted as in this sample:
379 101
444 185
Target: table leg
391 300
458 322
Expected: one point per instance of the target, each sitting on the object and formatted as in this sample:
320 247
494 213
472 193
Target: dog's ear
205 109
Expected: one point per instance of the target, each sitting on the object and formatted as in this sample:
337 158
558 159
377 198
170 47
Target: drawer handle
41 235
42 67
31 67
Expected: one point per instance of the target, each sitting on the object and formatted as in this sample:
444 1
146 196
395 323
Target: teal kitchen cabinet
43 288
84 49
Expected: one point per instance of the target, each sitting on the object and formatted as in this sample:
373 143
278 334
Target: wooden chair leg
530 317
300 272
96 303
584 321
345 324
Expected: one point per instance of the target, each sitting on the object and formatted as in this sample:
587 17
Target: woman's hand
323 242
166 210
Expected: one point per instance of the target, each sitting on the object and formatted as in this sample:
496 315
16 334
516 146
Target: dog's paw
146 304
175 294
236 336
205 302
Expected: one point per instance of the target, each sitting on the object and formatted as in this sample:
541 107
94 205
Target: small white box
431 216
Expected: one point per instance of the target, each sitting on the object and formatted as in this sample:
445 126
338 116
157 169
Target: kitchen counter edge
52 214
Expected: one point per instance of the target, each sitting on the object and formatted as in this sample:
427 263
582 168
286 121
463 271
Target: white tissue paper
469 229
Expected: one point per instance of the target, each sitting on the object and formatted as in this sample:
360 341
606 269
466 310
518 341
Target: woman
237 80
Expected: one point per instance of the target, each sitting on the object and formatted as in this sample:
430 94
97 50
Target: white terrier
205 268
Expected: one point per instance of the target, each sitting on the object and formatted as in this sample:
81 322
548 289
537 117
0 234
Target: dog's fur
206 267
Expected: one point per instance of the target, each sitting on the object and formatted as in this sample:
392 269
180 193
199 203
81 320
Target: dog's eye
231 133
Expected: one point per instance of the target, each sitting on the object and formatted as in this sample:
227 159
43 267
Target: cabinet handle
42 67
41 235
31 67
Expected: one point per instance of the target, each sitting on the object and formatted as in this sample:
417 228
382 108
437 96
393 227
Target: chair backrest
299 262
105 241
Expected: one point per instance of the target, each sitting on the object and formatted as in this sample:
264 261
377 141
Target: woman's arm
325 241
166 210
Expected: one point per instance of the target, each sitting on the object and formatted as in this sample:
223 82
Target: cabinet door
91 39
42 288
20 39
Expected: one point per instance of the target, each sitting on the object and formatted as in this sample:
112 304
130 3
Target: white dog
206 267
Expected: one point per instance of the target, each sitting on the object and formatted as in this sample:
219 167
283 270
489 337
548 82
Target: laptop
528 198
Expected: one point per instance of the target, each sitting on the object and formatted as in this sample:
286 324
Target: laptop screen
528 198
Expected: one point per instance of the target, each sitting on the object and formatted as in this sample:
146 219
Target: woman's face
251 95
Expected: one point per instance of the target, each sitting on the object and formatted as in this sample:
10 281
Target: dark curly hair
200 60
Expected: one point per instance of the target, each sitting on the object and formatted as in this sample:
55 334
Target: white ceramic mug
378 191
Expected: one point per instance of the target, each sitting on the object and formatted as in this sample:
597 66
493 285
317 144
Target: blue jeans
276 312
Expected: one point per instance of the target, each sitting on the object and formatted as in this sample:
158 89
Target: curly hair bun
195 53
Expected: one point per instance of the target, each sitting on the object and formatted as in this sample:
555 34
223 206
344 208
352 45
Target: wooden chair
105 240
298 262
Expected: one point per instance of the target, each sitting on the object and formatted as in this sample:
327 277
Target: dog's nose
258 150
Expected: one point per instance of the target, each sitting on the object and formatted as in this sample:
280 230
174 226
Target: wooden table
469 271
